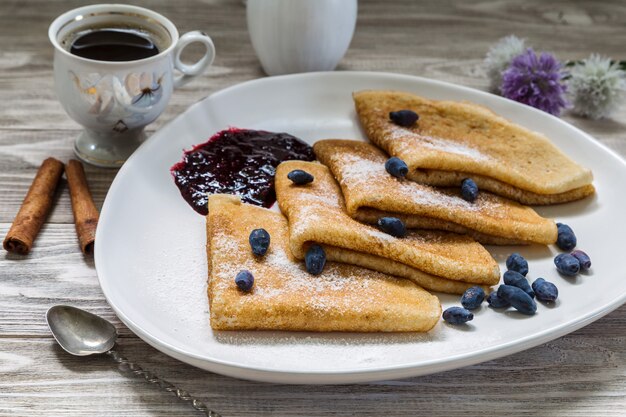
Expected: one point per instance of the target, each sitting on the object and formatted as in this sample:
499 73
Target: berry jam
236 161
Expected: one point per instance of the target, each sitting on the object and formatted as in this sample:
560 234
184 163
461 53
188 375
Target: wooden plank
55 272
576 375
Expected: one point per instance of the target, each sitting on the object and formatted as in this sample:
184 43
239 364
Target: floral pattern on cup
121 102
145 88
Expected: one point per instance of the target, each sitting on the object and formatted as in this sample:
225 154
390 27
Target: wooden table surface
581 374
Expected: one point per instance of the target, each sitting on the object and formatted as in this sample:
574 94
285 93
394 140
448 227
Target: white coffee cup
115 100
292 36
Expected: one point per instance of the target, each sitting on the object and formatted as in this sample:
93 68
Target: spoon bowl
79 332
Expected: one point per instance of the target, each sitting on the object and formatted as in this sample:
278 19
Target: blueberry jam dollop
236 161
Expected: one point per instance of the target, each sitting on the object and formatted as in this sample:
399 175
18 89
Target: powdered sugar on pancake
360 173
436 144
278 274
328 199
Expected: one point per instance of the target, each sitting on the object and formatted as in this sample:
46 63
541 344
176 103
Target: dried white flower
596 87
499 57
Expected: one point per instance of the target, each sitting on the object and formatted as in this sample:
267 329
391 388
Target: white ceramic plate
151 260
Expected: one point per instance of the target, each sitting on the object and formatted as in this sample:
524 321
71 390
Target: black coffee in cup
113 44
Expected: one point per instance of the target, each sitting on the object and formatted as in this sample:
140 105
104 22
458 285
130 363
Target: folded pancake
437 261
286 297
455 140
370 193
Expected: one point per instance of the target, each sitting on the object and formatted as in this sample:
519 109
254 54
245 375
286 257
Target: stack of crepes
374 281
455 140
370 193
286 297
438 261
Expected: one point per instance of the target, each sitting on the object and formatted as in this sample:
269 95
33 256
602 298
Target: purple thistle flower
536 81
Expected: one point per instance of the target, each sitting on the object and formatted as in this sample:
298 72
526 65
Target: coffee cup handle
189 71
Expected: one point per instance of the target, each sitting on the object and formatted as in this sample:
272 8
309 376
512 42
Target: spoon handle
126 366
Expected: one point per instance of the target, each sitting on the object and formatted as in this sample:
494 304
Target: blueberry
567 264
566 239
259 241
393 226
496 302
518 280
315 259
583 259
244 280
545 291
457 315
469 190
404 118
472 298
396 167
516 262
518 299
300 177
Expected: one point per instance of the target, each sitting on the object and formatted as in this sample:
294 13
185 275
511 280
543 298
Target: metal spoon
81 333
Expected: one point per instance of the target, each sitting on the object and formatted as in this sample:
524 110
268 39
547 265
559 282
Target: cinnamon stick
85 212
35 208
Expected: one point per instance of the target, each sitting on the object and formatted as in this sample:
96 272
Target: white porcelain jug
300 35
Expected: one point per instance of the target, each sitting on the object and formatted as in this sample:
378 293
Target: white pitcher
300 35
